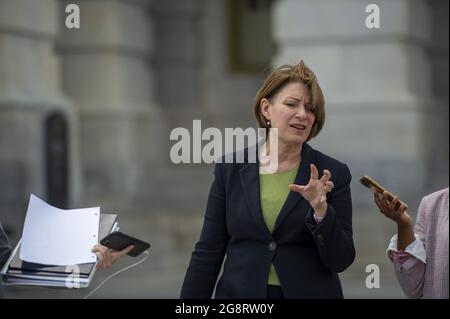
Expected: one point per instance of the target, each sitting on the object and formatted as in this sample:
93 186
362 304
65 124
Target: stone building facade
86 114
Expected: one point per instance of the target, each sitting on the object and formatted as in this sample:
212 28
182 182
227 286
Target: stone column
438 157
29 93
178 38
377 83
108 73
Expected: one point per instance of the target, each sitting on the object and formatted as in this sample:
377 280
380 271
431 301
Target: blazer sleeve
209 252
334 235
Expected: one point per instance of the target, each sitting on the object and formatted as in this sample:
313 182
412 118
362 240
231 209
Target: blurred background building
86 114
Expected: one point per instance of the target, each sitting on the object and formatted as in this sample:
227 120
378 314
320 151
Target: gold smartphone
369 182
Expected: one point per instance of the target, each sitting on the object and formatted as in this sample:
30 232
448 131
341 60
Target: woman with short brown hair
285 233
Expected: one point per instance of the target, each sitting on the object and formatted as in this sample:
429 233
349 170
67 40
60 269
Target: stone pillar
227 97
380 106
178 39
377 84
438 157
107 72
29 93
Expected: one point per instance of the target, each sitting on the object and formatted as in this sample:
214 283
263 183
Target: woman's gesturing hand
315 192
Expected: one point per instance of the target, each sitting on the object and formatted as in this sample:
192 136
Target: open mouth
299 127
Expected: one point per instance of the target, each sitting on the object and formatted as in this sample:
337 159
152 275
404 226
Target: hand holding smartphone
369 182
119 241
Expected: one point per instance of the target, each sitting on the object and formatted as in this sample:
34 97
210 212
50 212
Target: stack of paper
56 244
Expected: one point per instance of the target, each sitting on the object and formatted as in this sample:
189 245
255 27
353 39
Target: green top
274 189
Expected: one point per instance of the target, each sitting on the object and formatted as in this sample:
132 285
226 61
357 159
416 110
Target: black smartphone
118 241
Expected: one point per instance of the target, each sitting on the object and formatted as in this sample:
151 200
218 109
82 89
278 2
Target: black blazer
307 256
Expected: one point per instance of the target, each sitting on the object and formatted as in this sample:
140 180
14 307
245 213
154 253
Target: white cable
116 273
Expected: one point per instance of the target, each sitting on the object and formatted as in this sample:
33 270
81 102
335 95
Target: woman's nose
301 112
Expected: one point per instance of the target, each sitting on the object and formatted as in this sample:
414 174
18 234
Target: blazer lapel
250 186
302 178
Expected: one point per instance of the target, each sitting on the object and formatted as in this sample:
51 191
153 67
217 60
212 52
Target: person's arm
406 249
5 248
405 235
411 273
209 252
405 232
333 233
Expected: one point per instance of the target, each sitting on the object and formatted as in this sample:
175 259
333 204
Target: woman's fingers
392 209
104 256
326 176
314 172
393 204
100 260
119 254
386 199
100 257
378 197
315 191
108 257
296 188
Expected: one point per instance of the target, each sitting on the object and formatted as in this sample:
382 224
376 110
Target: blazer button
272 246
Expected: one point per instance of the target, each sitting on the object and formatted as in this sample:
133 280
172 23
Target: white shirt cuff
415 249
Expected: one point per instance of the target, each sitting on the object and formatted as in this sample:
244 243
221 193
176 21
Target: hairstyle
278 79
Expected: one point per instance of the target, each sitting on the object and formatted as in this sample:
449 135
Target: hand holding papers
59 247
55 236
23 272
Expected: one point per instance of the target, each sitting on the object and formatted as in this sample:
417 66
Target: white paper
54 236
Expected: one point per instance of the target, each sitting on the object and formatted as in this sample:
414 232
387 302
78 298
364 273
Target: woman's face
290 110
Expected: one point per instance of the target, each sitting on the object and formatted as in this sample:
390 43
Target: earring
268 123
